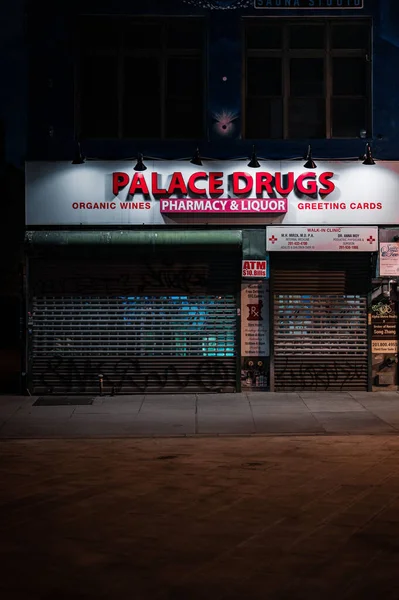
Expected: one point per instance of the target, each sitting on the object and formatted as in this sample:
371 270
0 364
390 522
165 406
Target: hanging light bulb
310 164
196 159
140 166
78 159
369 156
253 163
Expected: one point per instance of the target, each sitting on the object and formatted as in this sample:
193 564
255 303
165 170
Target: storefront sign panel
179 193
389 259
255 318
322 239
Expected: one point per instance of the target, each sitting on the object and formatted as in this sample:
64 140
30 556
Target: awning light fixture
310 164
253 163
140 166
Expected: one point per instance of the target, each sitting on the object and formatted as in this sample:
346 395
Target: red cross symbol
371 239
273 239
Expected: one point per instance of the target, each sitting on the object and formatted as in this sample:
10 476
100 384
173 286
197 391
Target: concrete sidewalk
204 414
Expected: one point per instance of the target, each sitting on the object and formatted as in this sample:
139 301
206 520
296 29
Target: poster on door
255 318
255 335
389 259
383 318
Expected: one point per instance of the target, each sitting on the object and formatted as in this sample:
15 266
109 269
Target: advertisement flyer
255 318
389 259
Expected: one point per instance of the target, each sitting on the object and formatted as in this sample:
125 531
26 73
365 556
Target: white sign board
389 259
255 319
322 239
386 346
218 192
254 268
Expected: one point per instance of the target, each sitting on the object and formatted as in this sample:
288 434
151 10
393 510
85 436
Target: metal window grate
138 343
320 341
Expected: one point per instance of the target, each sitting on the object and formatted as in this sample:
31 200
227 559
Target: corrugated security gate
145 326
320 321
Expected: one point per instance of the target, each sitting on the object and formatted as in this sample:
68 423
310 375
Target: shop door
320 322
147 327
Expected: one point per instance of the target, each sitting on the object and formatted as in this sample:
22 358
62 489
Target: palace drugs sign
208 184
169 192
196 193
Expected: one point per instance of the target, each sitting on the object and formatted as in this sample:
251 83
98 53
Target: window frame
327 53
163 53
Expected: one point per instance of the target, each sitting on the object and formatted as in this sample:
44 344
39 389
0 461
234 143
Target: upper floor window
307 78
141 78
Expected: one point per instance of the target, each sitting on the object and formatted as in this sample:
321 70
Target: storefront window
307 80
141 78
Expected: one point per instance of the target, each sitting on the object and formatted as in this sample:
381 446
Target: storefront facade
212 277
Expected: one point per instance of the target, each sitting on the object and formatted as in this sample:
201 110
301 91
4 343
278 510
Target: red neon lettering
328 186
311 188
290 183
215 183
138 184
236 183
177 184
119 181
264 181
191 182
154 184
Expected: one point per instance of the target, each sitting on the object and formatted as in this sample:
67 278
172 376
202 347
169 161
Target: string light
229 159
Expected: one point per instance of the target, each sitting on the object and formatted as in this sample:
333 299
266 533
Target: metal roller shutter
320 323
155 327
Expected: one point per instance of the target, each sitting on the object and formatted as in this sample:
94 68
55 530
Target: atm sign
254 268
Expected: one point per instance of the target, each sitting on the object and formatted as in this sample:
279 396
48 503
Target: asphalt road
313 517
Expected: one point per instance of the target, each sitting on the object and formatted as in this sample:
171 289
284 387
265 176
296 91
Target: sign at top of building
216 192
309 4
